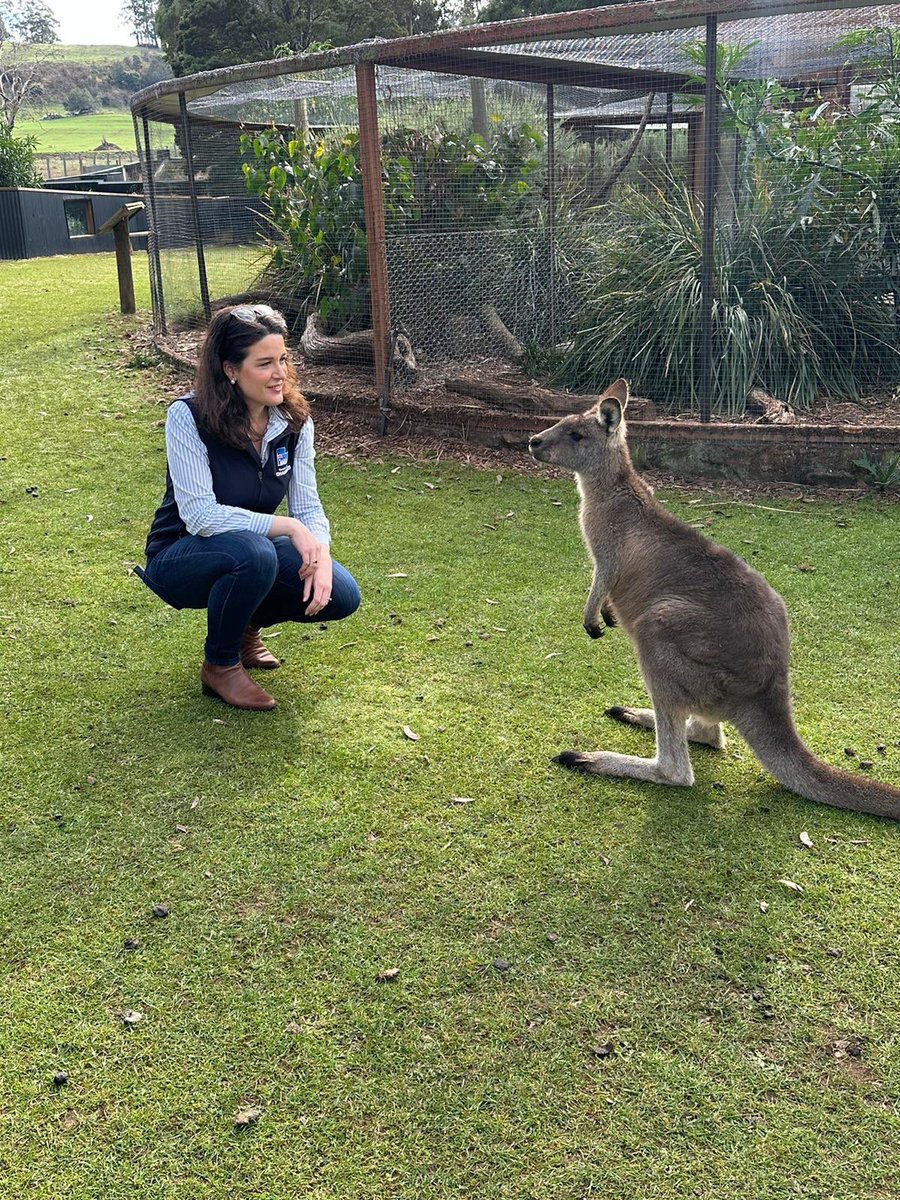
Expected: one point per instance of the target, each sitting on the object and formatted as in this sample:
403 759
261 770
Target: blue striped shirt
192 482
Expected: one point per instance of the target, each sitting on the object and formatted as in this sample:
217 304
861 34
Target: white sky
91 22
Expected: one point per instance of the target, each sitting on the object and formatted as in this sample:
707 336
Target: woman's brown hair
229 337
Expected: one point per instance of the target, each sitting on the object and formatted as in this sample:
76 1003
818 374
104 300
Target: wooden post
118 224
479 108
373 203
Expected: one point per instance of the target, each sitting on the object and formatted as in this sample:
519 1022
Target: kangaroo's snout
534 443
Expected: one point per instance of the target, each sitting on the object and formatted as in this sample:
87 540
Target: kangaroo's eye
575 436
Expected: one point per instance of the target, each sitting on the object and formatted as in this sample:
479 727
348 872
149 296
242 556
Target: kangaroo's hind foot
705 733
671 764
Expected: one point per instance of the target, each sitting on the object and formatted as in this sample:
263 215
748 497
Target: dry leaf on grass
461 800
388 975
247 1116
790 885
398 575
806 840
128 1016
408 733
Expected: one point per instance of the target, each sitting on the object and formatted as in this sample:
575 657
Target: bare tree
21 69
141 16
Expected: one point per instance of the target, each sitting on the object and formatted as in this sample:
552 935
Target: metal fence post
195 207
159 304
373 203
551 209
710 188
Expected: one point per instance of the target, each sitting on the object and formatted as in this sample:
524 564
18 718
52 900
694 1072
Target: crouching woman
236 447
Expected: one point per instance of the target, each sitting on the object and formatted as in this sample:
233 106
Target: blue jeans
241 579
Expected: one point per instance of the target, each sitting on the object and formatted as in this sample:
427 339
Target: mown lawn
602 990
73 135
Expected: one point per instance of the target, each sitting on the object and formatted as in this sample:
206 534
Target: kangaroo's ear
616 391
609 414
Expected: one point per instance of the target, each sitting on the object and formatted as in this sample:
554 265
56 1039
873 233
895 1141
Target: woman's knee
254 553
345 594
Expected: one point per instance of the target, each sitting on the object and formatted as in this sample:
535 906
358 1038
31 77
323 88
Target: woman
237 446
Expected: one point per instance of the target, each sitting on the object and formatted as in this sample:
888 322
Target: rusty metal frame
433 51
376 249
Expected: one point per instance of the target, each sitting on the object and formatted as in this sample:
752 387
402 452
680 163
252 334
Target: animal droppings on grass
500 964
387 975
806 840
866 764
850 752
60 1079
409 735
247 1116
552 938
790 885
293 1027
604 1050
130 1016
130 944
160 911
833 952
805 567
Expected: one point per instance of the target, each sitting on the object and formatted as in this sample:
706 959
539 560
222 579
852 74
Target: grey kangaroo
711 635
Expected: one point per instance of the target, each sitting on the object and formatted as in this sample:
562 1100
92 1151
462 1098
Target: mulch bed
351 434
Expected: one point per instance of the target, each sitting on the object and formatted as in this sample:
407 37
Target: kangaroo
711 635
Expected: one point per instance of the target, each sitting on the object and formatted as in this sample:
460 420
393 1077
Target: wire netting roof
793 47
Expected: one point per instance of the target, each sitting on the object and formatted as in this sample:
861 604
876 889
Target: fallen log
768 410
321 349
529 398
506 342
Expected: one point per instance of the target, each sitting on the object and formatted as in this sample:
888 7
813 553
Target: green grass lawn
74 134
593 999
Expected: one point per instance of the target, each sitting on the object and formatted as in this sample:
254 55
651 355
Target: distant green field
96 55
73 134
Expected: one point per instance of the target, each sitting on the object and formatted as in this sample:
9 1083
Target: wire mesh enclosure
704 199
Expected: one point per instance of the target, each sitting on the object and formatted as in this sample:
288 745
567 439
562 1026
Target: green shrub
435 182
17 167
795 311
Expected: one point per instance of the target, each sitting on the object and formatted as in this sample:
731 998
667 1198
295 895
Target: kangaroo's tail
770 732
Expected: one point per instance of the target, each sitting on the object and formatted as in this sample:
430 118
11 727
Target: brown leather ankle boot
254 655
234 686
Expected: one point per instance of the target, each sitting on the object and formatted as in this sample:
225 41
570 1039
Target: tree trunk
357 348
538 401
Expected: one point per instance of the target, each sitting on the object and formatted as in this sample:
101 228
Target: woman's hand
310 549
317 586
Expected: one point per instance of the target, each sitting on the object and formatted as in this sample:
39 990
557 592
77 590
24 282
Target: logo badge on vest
282 460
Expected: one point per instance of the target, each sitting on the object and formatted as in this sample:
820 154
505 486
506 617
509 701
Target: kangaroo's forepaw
594 631
617 712
572 760
608 617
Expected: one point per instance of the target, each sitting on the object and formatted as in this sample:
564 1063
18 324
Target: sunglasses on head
254 313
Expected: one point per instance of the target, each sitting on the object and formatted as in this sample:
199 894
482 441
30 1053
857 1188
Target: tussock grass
320 847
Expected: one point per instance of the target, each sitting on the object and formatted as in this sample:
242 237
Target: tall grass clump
795 310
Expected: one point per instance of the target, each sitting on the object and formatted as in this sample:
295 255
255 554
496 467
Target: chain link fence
707 203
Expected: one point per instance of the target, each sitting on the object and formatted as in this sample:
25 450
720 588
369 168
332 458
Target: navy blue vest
238 479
